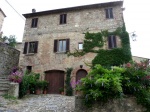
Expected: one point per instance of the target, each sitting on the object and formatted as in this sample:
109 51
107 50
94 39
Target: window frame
34 23
79 44
109 13
112 41
27 47
57 45
63 19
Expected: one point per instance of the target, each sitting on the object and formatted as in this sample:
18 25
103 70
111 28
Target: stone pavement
39 103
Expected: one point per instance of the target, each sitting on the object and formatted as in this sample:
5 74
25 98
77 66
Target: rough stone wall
78 22
1 19
119 105
9 58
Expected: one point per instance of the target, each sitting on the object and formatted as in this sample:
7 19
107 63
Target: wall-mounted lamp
133 36
81 66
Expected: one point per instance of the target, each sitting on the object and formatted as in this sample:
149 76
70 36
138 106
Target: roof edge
73 8
2 12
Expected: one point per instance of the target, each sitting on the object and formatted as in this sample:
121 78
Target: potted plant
45 86
61 90
38 87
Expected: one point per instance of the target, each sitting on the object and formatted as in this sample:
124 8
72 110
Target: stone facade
2 16
9 58
80 19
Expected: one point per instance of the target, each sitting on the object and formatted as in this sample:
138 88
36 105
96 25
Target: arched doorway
55 79
80 74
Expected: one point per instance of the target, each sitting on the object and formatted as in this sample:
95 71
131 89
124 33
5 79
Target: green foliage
69 90
29 82
116 56
9 97
11 39
136 82
101 84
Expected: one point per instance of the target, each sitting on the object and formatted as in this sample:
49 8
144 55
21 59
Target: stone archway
80 74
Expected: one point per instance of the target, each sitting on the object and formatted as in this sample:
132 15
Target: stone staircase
4 85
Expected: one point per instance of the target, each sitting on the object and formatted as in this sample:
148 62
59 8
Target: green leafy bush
101 84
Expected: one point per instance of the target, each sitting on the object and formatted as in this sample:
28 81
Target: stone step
3 92
4 88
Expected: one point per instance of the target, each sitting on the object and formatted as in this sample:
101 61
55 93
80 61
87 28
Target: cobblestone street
39 103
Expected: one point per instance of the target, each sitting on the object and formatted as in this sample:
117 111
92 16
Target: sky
136 16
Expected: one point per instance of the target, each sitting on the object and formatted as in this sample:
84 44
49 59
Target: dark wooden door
56 81
80 74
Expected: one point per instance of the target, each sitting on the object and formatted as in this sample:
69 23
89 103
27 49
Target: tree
11 40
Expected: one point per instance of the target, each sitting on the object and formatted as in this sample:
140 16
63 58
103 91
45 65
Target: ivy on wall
94 43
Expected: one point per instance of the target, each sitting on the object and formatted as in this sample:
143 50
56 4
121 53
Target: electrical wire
15 10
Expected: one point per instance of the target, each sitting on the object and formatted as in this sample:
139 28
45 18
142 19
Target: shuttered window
112 42
109 13
30 47
61 45
63 18
34 23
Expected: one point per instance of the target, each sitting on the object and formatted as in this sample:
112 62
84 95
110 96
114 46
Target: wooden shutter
32 24
67 44
114 41
109 42
36 22
25 48
36 47
55 45
61 18
106 12
65 18
111 12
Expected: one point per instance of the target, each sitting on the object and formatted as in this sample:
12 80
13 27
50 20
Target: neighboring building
49 34
2 16
139 59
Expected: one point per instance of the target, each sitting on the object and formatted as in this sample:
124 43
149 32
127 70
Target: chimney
33 10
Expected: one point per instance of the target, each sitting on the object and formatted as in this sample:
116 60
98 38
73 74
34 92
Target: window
29 69
109 13
63 18
80 46
61 45
34 22
30 47
112 42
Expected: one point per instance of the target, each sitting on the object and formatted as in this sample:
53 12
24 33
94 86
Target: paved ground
39 103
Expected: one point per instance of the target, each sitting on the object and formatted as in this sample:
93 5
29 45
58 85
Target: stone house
49 34
2 16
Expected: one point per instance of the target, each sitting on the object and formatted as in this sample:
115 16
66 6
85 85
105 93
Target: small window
109 13
61 45
29 69
63 18
80 46
112 42
34 22
30 47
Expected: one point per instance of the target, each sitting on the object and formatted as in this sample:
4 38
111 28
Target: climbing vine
94 42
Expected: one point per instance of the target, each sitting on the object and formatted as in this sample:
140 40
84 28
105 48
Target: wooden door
80 74
56 81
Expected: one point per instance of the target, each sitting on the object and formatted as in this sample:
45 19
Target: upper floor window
112 42
109 13
30 47
61 45
34 23
63 18
80 45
